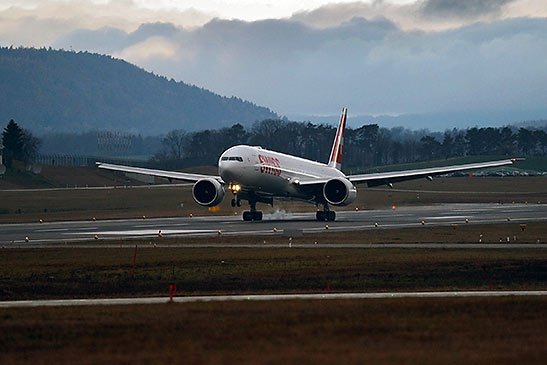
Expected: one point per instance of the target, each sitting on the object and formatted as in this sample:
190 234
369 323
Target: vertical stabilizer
335 159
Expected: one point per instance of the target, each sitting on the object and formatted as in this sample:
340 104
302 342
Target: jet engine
208 192
339 191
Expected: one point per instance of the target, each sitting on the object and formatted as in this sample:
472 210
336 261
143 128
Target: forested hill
50 90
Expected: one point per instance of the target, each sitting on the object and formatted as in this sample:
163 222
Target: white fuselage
270 172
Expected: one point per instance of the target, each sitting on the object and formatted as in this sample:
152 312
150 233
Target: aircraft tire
238 202
331 215
247 216
257 215
234 203
320 215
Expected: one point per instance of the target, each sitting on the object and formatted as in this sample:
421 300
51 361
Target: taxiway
264 297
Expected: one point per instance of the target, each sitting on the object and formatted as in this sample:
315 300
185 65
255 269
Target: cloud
153 48
332 15
45 22
372 66
463 8
424 15
374 58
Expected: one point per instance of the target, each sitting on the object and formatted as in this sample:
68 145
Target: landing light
235 188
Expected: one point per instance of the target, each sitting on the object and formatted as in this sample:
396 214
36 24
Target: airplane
259 175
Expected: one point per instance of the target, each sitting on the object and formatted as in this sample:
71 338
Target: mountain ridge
47 90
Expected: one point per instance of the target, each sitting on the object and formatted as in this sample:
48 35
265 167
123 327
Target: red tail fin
335 159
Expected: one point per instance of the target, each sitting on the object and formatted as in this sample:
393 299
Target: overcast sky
313 56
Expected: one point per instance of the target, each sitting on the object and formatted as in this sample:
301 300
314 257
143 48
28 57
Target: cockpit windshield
232 158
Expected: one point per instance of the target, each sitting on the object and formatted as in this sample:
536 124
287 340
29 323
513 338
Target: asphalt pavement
279 222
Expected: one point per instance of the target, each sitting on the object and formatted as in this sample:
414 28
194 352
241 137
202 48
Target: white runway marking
263 297
144 232
447 217
53 230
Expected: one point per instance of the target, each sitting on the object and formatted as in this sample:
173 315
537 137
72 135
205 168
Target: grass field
106 271
30 206
381 331
532 165
429 330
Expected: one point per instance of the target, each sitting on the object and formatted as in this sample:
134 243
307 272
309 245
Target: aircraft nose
226 170
221 167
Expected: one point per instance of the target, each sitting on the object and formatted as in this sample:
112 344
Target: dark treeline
366 146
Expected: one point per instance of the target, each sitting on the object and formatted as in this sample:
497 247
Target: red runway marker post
134 262
170 292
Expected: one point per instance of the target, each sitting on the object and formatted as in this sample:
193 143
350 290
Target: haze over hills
440 121
54 90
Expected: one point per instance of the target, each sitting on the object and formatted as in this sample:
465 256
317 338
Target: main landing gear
326 214
253 214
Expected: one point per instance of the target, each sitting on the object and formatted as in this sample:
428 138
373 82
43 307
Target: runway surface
280 222
262 297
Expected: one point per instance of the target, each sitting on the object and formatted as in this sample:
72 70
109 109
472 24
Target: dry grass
410 330
442 330
106 272
31 206
425 331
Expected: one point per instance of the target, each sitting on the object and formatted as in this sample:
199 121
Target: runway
279 222
262 297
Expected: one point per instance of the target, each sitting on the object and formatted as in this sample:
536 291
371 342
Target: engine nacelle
208 192
339 191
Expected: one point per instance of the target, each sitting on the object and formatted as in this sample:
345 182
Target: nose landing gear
235 188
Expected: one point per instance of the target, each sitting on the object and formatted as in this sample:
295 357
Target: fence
75 160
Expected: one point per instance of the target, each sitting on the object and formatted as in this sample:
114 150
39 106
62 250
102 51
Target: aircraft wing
160 173
385 178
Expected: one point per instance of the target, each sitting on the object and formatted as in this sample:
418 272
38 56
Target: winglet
335 159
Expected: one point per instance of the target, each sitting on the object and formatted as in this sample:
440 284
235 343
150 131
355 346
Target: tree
175 142
474 142
526 141
13 140
429 147
448 145
19 144
507 142
541 138
31 145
